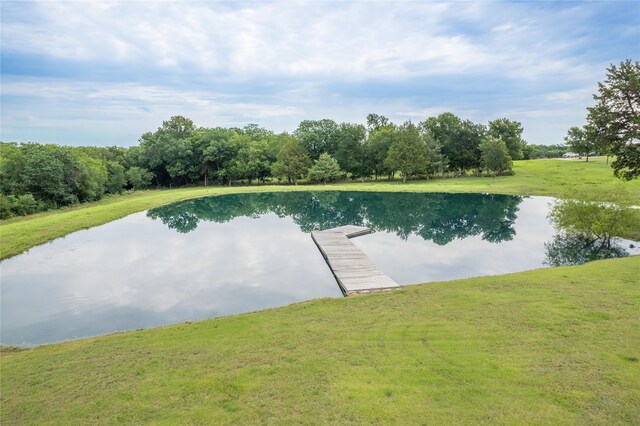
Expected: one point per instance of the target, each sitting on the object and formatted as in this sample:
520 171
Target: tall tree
495 155
317 136
614 122
460 140
377 148
350 149
435 160
116 180
511 133
577 141
164 152
407 154
293 161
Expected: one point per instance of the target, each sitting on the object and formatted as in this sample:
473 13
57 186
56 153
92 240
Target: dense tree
511 133
218 151
532 151
460 140
325 169
435 161
139 178
36 177
42 173
350 149
21 205
495 155
317 136
293 161
377 149
116 179
407 153
11 165
167 152
613 124
577 141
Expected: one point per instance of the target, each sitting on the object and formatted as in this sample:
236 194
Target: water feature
224 255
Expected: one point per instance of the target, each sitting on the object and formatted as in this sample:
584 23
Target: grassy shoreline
533 177
549 346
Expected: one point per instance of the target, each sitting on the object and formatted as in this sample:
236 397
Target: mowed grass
552 346
533 177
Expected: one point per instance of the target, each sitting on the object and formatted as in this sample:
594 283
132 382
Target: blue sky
103 73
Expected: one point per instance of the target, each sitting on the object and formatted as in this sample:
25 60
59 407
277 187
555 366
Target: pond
231 254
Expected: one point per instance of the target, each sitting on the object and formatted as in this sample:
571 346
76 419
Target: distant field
533 177
551 346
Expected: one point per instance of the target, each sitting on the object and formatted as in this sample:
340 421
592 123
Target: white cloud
353 41
130 65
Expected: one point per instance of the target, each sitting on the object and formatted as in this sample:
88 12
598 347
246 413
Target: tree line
36 177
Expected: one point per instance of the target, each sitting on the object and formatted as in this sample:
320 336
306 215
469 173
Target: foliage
590 217
350 150
317 136
180 154
537 177
578 142
569 249
55 176
325 169
376 122
293 161
435 162
116 180
460 140
22 205
377 149
495 155
511 133
407 153
614 122
440 218
532 151
139 178
168 152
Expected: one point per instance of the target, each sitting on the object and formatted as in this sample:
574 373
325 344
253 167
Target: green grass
553 346
535 177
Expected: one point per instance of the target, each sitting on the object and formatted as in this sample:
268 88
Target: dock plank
352 269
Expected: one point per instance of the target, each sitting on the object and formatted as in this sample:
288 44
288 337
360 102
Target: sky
104 73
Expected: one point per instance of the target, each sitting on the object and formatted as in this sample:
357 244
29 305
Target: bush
11 205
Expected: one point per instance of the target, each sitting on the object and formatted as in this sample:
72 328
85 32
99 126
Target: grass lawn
533 177
549 346
552 346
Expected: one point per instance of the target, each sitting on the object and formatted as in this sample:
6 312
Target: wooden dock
352 268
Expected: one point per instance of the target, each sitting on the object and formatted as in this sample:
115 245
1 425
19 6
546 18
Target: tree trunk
404 178
607 163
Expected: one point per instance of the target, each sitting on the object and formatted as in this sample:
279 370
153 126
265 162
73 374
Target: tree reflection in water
570 249
440 218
